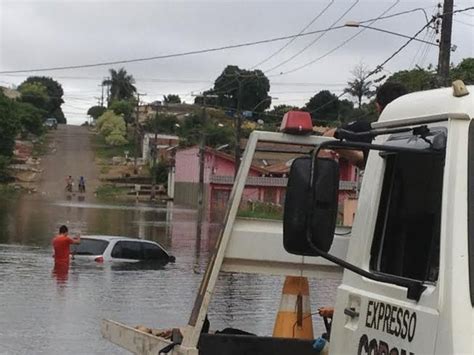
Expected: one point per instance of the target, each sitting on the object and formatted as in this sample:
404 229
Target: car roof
110 238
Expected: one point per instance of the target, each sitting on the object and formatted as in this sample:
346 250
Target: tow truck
408 264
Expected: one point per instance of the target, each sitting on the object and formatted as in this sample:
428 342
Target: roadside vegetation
261 210
23 113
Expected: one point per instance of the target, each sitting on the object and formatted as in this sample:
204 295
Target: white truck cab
408 283
408 265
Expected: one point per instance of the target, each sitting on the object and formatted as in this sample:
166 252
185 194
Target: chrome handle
351 312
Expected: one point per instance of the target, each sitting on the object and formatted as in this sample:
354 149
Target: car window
153 252
127 250
89 247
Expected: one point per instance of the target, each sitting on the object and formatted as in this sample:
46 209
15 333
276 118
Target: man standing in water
61 245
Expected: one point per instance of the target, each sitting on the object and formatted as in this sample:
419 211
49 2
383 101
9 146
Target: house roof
227 157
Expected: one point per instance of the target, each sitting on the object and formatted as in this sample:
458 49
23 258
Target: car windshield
89 247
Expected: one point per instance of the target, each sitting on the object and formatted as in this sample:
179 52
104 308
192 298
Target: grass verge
261 210
107 152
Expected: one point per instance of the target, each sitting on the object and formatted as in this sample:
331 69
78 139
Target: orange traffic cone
294 316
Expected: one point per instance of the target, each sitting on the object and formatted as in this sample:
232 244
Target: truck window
407 233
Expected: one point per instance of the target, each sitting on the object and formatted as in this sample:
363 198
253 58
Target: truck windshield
407 233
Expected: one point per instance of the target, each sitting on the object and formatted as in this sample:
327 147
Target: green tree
96 111
163 123
30 118
417 79
9 127
234 85
324 108
124 108
464 71
121 85
171 99
112 127
359 86
272 118
35 94
55 96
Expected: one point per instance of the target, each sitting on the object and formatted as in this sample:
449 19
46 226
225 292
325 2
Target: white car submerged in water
100 248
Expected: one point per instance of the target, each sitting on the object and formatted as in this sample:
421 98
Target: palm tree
360 86
121 85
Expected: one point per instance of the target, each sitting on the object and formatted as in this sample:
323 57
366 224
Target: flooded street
41 313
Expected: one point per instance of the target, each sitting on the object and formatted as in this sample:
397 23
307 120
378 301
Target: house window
407 233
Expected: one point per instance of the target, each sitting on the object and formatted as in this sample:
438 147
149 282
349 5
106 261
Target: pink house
218 180
265 183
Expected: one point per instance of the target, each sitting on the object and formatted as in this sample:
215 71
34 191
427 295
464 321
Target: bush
112 128
115 138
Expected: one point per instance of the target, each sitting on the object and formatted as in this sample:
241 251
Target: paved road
72 155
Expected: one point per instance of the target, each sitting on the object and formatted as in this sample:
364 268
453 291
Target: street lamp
357 24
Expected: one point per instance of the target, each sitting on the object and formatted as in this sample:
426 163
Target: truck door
380 318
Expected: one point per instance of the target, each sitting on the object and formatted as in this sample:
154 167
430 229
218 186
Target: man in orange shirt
61 245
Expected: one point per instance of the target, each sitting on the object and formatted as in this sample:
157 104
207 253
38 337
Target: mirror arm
414 288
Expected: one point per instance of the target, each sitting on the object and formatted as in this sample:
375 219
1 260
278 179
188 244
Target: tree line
246 92
40 98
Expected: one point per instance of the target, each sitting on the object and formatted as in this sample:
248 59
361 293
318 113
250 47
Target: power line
167 56
338 46
464 23
314 41
401 13
294 38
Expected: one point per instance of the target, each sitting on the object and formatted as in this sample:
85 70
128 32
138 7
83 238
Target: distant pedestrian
69 183
82 184
61 244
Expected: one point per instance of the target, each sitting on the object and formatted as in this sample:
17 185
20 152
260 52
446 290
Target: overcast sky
42 34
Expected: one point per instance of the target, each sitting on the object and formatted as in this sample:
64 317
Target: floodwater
43 313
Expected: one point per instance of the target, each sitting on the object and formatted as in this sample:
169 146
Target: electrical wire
313 20
338 46
378 68
167 56
365 21
313 42
464 23
201 51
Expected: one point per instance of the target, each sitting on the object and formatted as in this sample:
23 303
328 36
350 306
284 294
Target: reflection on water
57 311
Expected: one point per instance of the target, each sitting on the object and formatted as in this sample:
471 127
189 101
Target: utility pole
202 154
102 95
238 127
445 43
137 134
106 82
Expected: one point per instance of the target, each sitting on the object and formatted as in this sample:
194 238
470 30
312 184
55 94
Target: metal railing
270 181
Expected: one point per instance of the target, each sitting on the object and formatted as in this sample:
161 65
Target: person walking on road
69 183
82 184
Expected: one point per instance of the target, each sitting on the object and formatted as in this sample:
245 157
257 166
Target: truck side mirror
311 203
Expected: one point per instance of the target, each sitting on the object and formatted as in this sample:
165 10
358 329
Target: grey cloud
49 33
